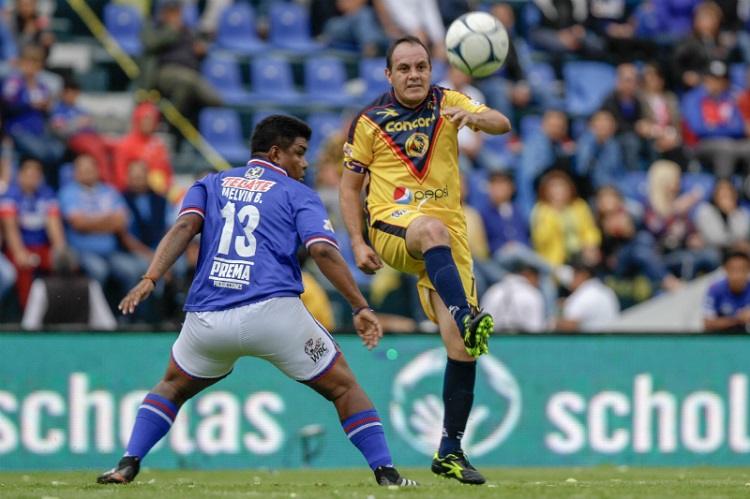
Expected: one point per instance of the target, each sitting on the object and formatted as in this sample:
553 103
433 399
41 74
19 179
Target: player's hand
136 295
459 116
368 328
367 260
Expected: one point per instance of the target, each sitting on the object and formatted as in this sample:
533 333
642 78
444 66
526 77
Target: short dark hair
404 39
736 252
278 130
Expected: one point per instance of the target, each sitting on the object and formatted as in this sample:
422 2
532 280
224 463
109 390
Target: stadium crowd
626 174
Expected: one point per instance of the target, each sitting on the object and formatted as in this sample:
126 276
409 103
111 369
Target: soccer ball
477 44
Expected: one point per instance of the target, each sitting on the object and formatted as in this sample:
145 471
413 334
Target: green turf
579 483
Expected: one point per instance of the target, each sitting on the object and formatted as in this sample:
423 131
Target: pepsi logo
402 195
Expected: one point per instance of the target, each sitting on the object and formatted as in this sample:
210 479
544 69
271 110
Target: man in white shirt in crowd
516 301
591 304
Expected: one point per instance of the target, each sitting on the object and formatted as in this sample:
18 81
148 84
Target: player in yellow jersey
404 144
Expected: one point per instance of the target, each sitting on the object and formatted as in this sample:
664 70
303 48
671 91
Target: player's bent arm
491 121
716 324
174 243
334 268
350 197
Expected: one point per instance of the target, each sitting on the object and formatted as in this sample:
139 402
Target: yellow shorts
388 238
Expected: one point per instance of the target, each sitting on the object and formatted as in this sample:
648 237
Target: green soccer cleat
387 475
477 329
124 472
456 465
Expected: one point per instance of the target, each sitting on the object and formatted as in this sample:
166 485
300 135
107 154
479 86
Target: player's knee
433 232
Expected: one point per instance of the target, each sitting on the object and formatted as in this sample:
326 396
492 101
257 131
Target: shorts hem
325 371
199 378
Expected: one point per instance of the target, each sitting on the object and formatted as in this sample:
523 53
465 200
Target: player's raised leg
360 421
429 237
154 419
458 397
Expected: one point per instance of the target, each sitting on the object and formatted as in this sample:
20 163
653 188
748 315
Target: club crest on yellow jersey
417 145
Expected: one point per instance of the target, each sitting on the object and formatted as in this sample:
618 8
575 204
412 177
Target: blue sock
458 396
154 419
366 433
443 274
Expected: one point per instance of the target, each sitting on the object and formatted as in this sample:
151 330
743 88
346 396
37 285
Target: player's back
254 220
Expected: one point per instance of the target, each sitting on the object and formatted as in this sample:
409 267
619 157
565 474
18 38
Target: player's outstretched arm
350 196
489 121
332 265
170 248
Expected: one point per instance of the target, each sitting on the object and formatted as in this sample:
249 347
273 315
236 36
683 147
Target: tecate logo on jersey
417 413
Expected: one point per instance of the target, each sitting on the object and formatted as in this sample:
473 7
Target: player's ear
388 75
274 154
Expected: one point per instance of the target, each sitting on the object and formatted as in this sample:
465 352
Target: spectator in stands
420 18
613 21
74 125
142 144
713 116
548 147
66 297
743 100
721 221
693 54
562 30
355 28
561 222
627 109
591 305
96 216
147 213
667 219
509 88
668 20
172 64
26 101
516 301
598 154
485 270
29 27
8 273
726 306
625 251
31 221
661 109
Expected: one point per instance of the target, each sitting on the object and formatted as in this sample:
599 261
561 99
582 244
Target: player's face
292 159
737 270
410 74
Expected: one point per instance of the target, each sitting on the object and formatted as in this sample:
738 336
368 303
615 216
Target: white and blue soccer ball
477 44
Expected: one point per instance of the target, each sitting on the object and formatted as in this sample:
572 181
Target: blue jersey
255 218
721 302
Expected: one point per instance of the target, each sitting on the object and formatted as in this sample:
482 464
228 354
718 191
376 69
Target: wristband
146 276
366 307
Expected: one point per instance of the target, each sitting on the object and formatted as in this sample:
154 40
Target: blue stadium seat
702 182
289 28
372 72
738 74
222 129
124 24
587 83
223 73
323 126
325 81
237 31
634 186
272 81
439 71
66 174
190 14
540 73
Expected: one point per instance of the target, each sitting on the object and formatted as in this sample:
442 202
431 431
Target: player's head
409 70
283 140
737 268
30 174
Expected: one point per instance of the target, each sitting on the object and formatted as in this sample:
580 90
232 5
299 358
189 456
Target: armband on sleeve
355 166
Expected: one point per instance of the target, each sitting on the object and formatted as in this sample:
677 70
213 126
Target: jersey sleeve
8 207
194 201
454 98
311 219
358 148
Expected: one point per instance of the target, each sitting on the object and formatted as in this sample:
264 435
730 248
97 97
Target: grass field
579 483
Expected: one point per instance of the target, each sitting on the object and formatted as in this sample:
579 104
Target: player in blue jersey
244 300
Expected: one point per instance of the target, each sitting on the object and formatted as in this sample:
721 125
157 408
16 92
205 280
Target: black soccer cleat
477 329
124 472
387 475
456 465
